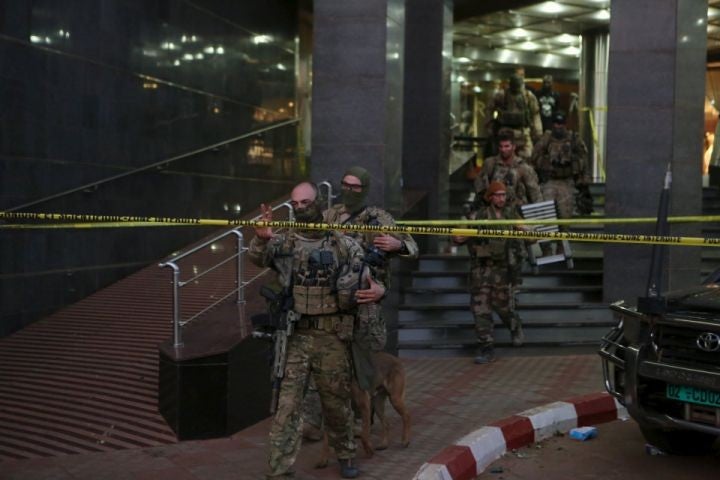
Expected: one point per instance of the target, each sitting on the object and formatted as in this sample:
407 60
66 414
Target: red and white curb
470 455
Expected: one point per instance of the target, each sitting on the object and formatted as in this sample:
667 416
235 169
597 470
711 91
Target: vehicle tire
679 442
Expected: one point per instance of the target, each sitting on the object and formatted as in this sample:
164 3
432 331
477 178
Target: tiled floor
447 397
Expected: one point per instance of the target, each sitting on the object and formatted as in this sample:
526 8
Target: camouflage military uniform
494 273
519 178
520 113
369 322
318 348
561 164
370 329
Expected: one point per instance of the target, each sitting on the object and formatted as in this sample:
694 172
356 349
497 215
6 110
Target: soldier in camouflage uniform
370 330
516 109
321 267
519 178
494 273
560 159
379 248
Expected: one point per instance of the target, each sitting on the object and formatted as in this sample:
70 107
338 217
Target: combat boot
347 469
518 337
485 354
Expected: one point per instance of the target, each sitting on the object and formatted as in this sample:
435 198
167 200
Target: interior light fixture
529 46
566 38
551 7
575 51
603 14
220 50
463 60
519 33
258 39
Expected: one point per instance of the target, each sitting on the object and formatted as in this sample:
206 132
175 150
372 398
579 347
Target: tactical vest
515 111
367 216
317 266
490 247
509 175
558 162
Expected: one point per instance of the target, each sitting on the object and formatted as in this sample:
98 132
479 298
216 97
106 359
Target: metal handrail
160 163
329 192
178 322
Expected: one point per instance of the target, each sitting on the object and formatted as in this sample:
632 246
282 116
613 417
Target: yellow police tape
566 221
140 221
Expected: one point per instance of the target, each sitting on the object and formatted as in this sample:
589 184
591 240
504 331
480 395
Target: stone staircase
559 307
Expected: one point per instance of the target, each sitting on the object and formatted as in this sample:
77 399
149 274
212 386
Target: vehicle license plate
693 395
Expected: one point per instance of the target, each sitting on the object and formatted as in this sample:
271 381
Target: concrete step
586 256
524 294
530 318
560 313
545 278
457 338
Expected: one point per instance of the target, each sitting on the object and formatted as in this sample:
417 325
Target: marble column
357 94
655 119
426 135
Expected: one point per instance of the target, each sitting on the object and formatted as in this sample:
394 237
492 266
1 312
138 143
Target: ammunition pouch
315 300
340 325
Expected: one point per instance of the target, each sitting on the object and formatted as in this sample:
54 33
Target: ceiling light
565 38
463 60
551 7
518 33
529 46
477 89
258 39
603 14
575 51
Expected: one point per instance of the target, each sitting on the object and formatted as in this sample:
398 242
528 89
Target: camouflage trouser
490 291
325 357
311 407
563 192
370 329
371 335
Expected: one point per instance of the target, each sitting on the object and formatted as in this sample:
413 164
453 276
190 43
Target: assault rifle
281 321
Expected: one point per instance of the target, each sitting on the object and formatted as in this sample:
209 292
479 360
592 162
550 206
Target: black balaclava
355 201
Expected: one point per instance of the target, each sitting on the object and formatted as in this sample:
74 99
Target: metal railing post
240 262
177 328
240 265
329 192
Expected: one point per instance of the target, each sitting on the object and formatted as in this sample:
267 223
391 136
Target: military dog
389 382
